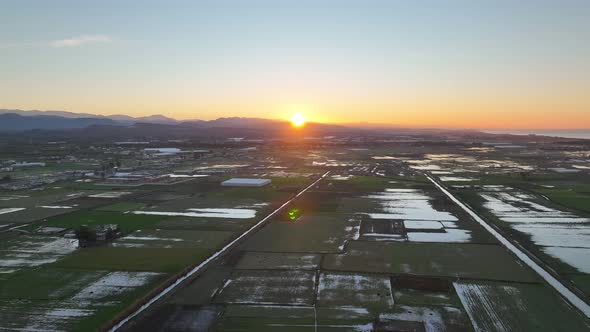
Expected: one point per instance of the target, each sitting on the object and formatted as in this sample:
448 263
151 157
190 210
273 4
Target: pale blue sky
204 59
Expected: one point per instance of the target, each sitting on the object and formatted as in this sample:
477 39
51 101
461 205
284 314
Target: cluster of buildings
11 165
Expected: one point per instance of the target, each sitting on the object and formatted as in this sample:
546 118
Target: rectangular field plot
268 287
122 207
559 234
517 307
424 291
202 204
28 251
134 259
267 318
354 290
211 224
349 319
157 238
46 283
32 214
423 318
278 261
127 222
201 290
430 259
81 309
171 317
317 233
416 215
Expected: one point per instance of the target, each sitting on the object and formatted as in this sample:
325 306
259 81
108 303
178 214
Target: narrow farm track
212 258
570 296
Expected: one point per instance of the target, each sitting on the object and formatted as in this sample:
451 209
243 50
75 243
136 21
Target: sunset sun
297 119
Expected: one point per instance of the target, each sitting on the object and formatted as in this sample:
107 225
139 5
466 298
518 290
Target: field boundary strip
570 296
210 259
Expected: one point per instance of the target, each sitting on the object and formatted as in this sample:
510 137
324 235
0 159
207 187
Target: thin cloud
80 40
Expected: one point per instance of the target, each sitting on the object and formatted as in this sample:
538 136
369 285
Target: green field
122 207
577 199
45 283
134 259
320 233
125 221
268 287
430 259
495 306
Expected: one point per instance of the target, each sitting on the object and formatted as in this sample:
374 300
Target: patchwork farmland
340 239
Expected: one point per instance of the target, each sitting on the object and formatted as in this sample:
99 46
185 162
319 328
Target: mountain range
61 125
19 120
14 119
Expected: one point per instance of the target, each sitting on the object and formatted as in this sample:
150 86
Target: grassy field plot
127 222
45 283
161 196
134 259
172 317
423 318
517 307
355 290
430 259
317 233
20 252
32 214
87 308
123 207
268 287
266 318
582 281
348 319
201 290
279 261
571 198
158 238
210 224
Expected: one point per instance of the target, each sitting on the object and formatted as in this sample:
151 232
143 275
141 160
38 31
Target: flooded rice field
91 292
268 287
496 306
30 251
110 194
448 164
408 214
560 234
10 210
205 213
354 290
161 238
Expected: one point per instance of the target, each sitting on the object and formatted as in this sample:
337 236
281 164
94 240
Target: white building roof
246 182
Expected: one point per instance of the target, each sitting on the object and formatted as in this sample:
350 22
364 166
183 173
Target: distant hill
16 122
18 125
123 119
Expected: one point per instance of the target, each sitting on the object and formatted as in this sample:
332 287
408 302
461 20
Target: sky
454 64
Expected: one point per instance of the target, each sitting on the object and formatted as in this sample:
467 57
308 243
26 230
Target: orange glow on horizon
297 120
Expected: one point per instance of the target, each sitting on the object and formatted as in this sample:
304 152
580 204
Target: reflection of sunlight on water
206 212
421 221
561 234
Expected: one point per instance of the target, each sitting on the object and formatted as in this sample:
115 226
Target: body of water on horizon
583 133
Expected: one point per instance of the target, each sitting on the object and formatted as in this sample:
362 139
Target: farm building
245 182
